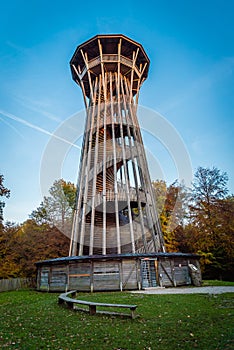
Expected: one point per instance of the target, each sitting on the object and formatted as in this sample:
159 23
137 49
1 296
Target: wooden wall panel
80 276
129 274
58 278
106 276
43 278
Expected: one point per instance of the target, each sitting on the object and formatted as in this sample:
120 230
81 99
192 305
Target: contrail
35 127
12 127
35 106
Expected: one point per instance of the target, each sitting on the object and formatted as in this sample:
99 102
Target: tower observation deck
115 209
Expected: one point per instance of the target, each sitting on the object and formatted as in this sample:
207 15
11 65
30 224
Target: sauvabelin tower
116 240
115 209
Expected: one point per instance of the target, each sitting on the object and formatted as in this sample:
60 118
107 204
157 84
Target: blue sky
190 83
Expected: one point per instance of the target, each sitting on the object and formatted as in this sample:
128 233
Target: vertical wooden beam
81 83
104 165
121 275
156 271
86 61
115 168
133 151
140 81
119 54
172 264
125 166
79 195
104 85
152 217
96 150
134 58
89 153
91 276
144 174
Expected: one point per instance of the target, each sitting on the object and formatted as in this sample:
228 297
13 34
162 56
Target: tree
21 246
57 209
211 221
41 237
172 205
9 256
160 190
222 243
4 192
208 186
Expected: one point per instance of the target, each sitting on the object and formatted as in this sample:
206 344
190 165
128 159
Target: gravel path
186 290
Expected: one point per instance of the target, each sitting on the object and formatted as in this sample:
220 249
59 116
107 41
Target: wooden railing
110 58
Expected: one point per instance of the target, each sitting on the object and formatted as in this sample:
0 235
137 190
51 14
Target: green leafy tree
209 185
57 208
211 222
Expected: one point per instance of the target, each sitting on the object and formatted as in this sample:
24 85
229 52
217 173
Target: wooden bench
70 302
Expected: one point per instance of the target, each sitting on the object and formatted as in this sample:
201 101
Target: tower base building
118 272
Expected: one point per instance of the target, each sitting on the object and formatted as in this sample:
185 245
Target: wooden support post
133 312
69 304
92 309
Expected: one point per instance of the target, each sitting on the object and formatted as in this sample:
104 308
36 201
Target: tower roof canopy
109 50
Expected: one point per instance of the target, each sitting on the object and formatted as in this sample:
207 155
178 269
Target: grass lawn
206 283
32 320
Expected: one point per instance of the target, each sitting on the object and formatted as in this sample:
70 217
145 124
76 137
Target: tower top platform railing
109 53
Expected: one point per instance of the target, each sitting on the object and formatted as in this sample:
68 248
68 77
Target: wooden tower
115 209
116 241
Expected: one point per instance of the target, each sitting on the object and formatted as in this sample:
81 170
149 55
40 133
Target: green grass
32 320
216 283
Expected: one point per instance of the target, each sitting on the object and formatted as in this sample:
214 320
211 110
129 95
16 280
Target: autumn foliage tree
43 236
172 203
199 220
23 245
